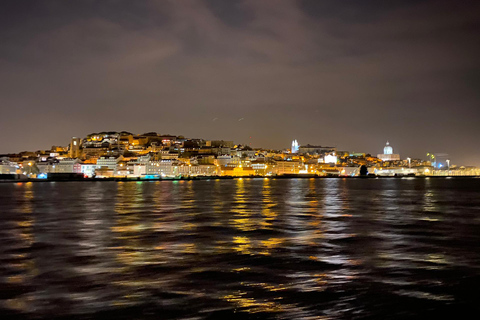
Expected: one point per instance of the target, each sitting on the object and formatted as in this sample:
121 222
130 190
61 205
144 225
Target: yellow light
29 163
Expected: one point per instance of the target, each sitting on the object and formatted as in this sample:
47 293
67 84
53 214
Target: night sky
351 74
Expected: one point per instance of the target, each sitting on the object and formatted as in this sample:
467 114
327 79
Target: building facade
388 154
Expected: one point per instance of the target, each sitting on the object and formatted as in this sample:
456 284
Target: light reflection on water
285 249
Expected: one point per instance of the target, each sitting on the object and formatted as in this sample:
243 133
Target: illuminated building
107 166
294 146
165 167
288 167
388 149
7 166
239 171
167 155
388 154
203 170
46 166
245 153
225 160
58 149
68 166
260 167
330 158
88 168
104 172
124 169
349 171
138 168
74 151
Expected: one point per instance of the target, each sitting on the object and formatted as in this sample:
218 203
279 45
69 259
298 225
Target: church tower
75 148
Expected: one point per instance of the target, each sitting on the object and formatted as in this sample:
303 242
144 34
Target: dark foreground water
241 249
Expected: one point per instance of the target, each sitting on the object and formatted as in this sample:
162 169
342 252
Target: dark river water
241 249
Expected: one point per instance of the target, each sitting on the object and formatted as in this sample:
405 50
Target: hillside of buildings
151 155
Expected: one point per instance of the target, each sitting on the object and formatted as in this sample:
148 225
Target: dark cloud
348 73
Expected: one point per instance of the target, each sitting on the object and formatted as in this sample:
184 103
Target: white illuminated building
388 154
295 146
388 149
330 158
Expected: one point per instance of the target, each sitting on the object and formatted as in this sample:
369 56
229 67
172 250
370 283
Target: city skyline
425 156
345 74
152 156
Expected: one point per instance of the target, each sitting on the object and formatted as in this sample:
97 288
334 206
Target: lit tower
75 147
294 146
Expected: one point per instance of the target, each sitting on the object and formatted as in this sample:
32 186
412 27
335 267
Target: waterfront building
329 171
202 170
349 171
399 171
104 172
68 165
164 167
260 167
107 166
225 160
88 167
123 169
139 169
388 154
7 166
46 167
288 167
239 171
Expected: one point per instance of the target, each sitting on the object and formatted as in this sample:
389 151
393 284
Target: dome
388 149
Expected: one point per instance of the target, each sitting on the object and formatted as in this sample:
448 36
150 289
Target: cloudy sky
352 74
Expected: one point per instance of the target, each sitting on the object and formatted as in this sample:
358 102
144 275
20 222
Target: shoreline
126 179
